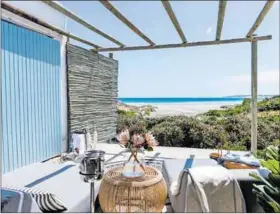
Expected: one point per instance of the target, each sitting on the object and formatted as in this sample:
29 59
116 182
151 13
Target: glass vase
134 164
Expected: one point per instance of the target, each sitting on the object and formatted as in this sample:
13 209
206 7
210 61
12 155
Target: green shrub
124 122
216 113
238 129
234 146
187 132
205 136
268 193
230 128
146 110
128 113
271 104
168 134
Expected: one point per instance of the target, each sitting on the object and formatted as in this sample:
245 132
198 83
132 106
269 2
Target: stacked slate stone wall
92 92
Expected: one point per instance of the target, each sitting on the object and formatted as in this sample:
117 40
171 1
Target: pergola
250 37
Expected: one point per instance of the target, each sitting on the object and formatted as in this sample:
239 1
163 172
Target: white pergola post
254 95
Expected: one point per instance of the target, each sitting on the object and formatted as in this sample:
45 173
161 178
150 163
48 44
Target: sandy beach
186 109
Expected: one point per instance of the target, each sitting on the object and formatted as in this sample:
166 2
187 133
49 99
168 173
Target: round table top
114 177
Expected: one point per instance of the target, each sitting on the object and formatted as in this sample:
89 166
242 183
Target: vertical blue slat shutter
31 110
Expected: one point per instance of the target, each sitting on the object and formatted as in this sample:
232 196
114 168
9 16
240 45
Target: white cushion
63 180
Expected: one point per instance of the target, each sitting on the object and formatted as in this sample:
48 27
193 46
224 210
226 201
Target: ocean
166 100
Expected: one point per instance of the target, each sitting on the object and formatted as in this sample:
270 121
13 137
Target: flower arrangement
136 142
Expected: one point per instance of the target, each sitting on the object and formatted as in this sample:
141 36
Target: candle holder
91 170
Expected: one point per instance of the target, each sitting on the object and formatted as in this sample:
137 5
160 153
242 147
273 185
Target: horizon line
227 96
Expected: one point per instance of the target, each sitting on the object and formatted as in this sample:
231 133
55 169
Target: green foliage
146 110
234 147
129 113
276 143
271 104
236 110
272 153
268 104
149 149
272 165
269 152
131 122
228 128
168 135
268 193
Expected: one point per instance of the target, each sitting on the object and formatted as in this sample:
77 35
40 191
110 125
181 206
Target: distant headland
261 96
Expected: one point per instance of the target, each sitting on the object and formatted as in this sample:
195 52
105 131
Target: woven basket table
144 194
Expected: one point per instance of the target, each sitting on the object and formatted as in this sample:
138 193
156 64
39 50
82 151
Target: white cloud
264 77
209 30
268 83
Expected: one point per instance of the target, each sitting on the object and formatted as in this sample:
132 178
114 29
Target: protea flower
123 137
150 140
138 140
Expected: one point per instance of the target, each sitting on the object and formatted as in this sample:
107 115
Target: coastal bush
187 132
168 135
243 108
146 110
124 122
233 132
271 104
238 130
205 136
230 128
234 146
129 113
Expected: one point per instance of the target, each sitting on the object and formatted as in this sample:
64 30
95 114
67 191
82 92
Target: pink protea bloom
150 140
123 137
138 140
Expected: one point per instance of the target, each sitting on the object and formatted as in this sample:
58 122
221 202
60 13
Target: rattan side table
145 194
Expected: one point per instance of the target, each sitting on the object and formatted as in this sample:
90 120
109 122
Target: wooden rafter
250 37
81 21
189 44
44 24
261 16
221 16
174 20
121 17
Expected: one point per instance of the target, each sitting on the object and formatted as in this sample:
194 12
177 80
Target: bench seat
63 180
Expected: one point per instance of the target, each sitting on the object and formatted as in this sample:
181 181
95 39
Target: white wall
42 11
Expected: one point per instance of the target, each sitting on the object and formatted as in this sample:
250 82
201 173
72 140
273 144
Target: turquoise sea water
181 100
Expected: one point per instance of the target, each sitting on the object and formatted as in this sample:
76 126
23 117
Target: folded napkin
251 161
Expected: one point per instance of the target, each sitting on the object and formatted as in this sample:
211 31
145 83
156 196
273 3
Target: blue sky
185 72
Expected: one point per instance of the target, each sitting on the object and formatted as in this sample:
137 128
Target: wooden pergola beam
260 18
174 20
221 16
81 21
189 44
121 17
44 24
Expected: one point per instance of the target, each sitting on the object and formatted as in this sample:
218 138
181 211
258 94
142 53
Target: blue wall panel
31 110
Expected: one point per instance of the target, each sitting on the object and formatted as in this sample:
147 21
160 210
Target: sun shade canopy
170 12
